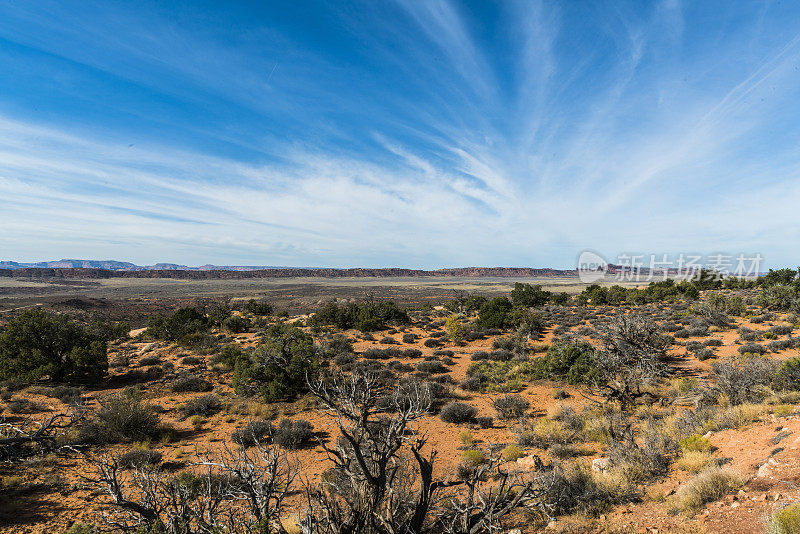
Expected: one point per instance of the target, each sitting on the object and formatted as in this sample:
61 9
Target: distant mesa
113 265
121 269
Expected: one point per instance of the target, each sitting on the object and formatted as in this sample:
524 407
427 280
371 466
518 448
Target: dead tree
237 492
490 492
31 437
259 479
381 482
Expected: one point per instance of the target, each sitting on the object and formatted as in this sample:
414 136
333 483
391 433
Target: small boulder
764 471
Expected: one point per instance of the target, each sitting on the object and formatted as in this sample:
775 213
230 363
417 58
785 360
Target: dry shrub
205 405
567 416
511 406
253 433
458 412
152 359
743 378
124 417
639 463
23 406
484 421
139 457
293 434
574 488
83 528
190 383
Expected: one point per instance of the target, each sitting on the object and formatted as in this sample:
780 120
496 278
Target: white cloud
623 144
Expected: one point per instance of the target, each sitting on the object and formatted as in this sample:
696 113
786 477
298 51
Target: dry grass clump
736 416
473 457
695 443
710 485
694 461
596 423
466 438
783 410
545 432
785 521
512 453
567 416
564 451
291 524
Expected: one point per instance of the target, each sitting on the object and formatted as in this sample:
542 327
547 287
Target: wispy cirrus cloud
414 134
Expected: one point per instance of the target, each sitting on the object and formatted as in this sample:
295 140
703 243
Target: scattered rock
601 465
780 437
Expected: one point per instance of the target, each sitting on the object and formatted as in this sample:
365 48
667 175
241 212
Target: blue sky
415 134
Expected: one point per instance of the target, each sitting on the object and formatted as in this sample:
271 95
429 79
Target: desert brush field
671 407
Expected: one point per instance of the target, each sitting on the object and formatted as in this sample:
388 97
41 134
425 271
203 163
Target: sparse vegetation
622 426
